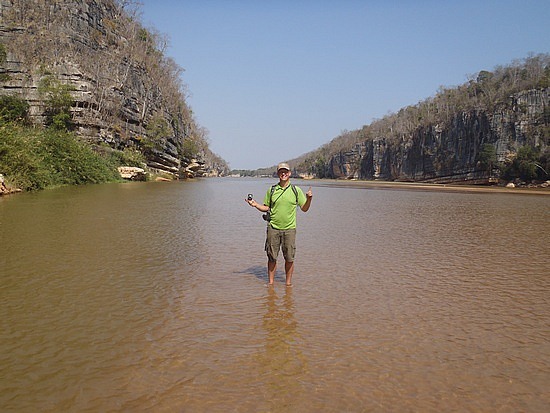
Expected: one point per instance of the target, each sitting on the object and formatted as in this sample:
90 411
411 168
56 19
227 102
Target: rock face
125 92
449 153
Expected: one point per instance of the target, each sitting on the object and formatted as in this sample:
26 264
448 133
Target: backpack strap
295 193
271 194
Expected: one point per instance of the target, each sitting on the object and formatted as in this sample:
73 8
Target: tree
487 158
524 165
58 102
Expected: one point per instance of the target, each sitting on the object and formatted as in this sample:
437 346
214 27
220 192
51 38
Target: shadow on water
260 272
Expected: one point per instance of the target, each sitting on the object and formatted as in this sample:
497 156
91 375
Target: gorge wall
449 153
125 92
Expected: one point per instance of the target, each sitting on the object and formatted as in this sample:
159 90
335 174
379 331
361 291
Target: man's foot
288 285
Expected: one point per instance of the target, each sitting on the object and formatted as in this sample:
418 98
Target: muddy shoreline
424 186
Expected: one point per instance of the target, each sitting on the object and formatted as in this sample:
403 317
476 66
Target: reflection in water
282 361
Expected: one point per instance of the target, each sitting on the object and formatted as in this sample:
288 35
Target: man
280 203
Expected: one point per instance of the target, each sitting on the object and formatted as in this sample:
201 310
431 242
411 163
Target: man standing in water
279 206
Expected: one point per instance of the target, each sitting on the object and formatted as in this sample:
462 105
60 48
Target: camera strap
273 190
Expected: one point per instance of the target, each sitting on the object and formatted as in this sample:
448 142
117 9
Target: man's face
284 174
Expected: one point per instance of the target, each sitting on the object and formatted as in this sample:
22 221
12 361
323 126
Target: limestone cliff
447 152
451 153
125 92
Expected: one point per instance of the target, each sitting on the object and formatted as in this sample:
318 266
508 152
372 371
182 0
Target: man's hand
309 197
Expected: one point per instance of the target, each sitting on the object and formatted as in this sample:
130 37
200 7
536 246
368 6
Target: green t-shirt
283 206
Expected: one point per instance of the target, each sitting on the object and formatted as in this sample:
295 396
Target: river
151 297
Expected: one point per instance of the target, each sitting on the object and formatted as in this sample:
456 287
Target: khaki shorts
280 239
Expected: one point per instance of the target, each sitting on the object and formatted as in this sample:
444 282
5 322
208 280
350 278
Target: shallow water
152 297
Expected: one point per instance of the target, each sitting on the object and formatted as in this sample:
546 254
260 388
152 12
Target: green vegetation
487 158
3 54
157 129
35 159
243 172
58 102
527 165
4 77
13 109
126 157
190 148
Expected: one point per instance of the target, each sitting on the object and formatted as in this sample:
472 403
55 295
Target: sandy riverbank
426 186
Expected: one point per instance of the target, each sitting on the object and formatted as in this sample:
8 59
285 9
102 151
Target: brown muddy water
151 297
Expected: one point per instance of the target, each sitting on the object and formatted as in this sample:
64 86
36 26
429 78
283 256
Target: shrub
37 159
127 157
74 162
13 109
190 148
524 165
58 102
158 129
20 159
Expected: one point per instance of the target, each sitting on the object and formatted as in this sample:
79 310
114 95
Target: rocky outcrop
449 153
346 164
125 92
5 189
132 173
194 168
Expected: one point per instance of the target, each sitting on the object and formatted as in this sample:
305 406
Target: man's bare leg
289 270
271 267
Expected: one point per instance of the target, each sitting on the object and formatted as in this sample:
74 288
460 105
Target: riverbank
524 190
430 187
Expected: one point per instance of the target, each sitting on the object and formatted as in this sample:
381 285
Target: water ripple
151 297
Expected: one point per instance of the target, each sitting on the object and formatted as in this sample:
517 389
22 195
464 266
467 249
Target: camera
267 216
250 197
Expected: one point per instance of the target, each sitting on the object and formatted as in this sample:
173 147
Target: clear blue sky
272 80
